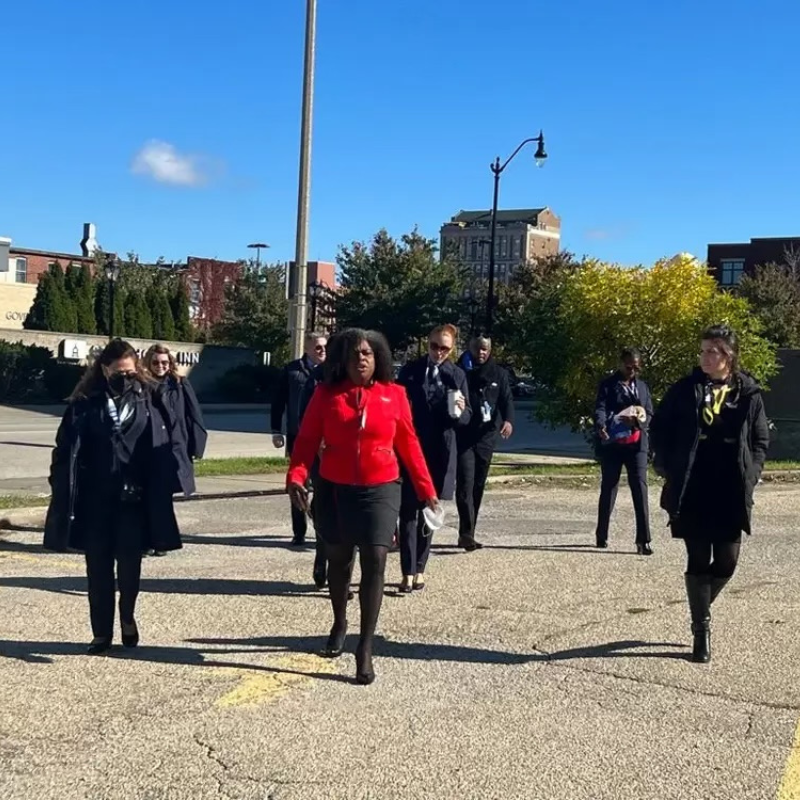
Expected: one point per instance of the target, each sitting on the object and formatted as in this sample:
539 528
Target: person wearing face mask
362 421
622 415
710 439
189 433
112 474
287 399
437 392
492 416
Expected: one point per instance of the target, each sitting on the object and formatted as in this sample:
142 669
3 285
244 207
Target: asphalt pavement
27 436
537 668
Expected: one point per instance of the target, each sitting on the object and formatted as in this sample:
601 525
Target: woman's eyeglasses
440 348
161 363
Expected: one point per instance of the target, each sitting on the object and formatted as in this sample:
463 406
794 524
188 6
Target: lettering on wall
17 316
182 357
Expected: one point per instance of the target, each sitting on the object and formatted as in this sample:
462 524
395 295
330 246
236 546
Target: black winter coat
487 383
288 394
675 434
611 399
189 435
435 427
72 485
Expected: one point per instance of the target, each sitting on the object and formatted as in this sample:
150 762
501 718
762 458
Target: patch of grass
589 468
23 501
256 465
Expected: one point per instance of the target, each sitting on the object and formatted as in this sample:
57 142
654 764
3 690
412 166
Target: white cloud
164 164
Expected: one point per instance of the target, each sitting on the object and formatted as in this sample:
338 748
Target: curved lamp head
540 156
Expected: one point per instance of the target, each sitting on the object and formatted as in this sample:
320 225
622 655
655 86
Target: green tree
182 320
774 295
52 309
80 287
256 312
400 288
158 301
138 321
599 308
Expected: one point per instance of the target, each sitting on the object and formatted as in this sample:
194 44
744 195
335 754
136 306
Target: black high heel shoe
99 645
644 549
130 633
364 675
335 644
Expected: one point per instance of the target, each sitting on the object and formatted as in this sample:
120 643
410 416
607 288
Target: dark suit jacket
435 428
611 399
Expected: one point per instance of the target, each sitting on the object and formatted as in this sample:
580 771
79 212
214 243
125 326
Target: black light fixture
258 247
540 156
315 291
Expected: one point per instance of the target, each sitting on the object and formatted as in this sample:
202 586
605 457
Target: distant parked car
520 388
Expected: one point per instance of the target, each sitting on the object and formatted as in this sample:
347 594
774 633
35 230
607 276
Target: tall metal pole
111 320
297 320
496 169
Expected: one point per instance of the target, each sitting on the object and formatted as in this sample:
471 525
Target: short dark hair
727 340
342 348
630 352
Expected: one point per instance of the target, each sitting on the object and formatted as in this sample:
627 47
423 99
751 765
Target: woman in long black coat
112 474
710 437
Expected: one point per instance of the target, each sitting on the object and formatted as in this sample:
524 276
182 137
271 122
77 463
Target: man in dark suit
437 392
623 444
492 416
287 399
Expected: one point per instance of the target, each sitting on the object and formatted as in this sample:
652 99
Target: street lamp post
315 290
497 170
112 275
297 311
258 246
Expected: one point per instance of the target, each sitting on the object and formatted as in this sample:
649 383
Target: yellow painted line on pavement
259 687
49 560
790 784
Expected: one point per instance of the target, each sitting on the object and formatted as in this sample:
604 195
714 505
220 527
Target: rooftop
529 215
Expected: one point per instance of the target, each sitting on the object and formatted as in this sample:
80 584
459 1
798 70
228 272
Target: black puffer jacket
675 435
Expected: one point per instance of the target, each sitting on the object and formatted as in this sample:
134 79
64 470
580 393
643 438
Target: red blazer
361 431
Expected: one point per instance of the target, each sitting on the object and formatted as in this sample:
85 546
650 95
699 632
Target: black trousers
299 520
118 540
473 470
612 460
415 537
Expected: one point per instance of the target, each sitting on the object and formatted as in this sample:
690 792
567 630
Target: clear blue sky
668 125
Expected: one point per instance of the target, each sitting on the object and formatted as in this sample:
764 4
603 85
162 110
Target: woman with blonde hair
111 476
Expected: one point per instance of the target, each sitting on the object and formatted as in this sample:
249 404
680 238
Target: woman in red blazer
362 421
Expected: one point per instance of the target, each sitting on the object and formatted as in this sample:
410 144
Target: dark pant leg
483 460
610 470
636 467
129 573
698 556
424 542
409 513
465 488
299 520
100 575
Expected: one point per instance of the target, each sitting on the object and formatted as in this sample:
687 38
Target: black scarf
127 414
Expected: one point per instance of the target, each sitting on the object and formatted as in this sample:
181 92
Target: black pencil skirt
360 516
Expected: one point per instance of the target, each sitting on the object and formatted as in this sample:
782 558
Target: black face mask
120 382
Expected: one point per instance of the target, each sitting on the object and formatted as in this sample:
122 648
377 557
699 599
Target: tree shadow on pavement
257 540
45 652
561 548
191 586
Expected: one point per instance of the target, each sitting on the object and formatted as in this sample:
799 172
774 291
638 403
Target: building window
22 270
731 271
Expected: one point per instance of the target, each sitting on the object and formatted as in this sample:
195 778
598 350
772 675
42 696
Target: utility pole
299 279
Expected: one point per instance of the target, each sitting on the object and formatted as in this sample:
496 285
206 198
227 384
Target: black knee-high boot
698 592
717 585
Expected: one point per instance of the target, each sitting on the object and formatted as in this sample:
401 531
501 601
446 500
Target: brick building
521 235
728 262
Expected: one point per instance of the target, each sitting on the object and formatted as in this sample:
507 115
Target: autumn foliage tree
576 321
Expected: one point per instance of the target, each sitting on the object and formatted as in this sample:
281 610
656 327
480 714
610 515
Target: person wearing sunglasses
287 400
358 423
189 433
492 419
710 439
437 392
111 476
622 414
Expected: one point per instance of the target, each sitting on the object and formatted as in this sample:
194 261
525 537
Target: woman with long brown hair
710 437
111 477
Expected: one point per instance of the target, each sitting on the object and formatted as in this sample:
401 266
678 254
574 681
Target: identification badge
486 411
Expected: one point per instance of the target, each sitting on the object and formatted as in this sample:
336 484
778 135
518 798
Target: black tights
373 566
716 559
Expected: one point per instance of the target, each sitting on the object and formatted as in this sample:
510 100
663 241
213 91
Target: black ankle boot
698 592
99 645
130 633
